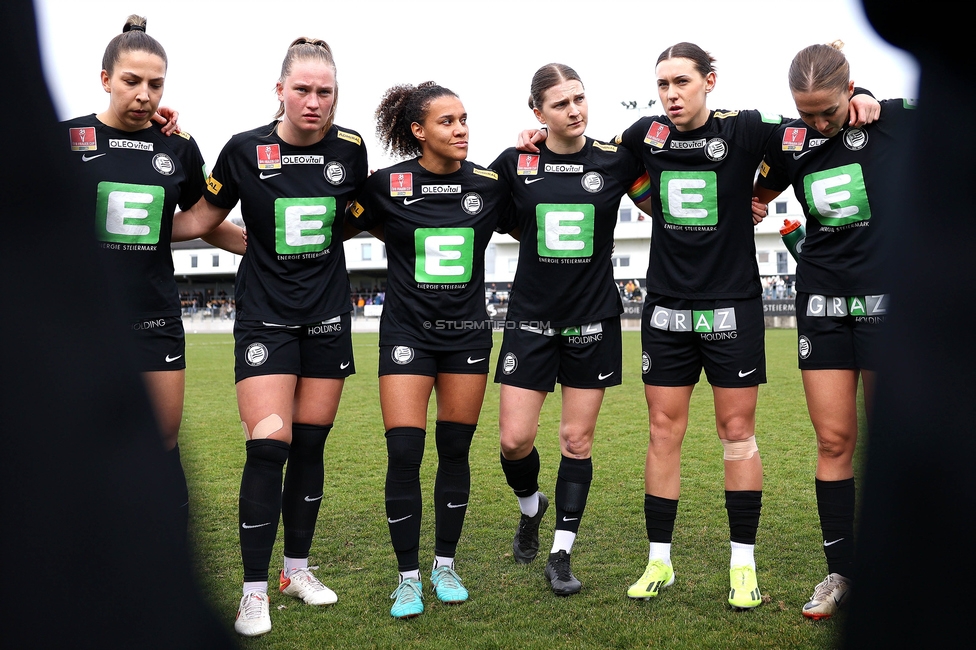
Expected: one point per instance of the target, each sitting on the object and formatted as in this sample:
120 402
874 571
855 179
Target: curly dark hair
400 107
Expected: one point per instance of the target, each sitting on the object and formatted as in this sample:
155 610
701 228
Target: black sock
452 485
260 505
302 493
522 474
659 517
404 501
835 503
572 488
743 507
181 493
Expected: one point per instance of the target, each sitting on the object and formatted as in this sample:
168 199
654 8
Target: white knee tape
740 449
265 428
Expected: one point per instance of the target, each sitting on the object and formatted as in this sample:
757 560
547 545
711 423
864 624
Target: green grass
511 606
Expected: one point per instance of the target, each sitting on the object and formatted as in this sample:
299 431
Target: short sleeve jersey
702 243
436 228
834 179
133 183
566 207
293 201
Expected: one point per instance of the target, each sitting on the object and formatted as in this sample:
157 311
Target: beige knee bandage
740 449
265 428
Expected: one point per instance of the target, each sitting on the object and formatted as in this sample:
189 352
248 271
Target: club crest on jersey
472 203
401 184
509 363
793 139
716 149
163 164
402 355
269 156
592 182
657 135
334 172
83 139
804 348
256 354
645 363
528 164
855 138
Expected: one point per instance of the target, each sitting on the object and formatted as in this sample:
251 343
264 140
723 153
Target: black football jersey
293 202
134 181
436 228
566 207
702 243
834 179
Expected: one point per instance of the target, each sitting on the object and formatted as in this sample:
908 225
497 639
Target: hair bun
134 22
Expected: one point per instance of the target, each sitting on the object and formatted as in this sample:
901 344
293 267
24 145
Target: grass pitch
511 606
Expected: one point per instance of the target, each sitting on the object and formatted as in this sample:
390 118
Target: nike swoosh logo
86 157
393 521
746 374
170 359
602 376
797 156
529 181
409 201
826 543
456 505
245 526
570 518
291 327
470 360
264 176
314 499
343 366
654 152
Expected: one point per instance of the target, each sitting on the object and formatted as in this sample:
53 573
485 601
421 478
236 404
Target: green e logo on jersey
444 255
837 197
565 230
129 214
303 225
690 198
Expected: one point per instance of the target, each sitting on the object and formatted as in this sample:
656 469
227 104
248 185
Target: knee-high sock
452 485
743 507
522 475
659 517
835 503
260 505
301 496
572 488
404 501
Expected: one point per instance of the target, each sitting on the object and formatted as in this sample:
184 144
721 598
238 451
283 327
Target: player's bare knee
578 447
266 428
739 449
832 448
516 445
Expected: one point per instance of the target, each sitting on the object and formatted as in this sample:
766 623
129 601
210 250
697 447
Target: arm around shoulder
228 236
199 220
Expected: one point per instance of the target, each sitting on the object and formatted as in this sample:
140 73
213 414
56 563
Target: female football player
841 303
436 212
137 176
565 306
293 348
